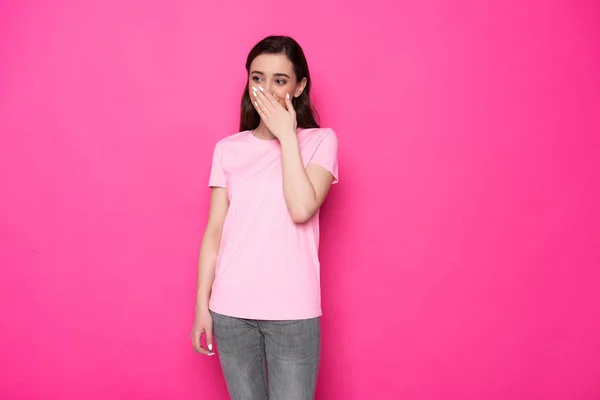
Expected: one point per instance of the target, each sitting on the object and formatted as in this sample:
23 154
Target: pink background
460 250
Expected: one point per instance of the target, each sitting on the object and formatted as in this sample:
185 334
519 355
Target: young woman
258 280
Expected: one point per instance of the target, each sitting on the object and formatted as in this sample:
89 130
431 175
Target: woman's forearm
299 193
207 262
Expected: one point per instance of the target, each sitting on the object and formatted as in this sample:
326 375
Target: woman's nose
269 87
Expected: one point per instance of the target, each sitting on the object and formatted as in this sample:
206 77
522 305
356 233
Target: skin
271 85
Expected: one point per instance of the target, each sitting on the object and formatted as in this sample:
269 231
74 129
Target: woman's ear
300 87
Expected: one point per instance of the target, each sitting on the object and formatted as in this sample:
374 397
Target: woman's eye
255 78
281 82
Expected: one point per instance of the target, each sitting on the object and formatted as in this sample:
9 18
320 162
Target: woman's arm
304 189
209 249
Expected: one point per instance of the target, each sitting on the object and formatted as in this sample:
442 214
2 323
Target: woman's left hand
280 121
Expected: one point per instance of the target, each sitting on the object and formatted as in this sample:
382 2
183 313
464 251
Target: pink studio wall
460 250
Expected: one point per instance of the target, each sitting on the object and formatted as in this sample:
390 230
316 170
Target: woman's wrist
289 139
201 304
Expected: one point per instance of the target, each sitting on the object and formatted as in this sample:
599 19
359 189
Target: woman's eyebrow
277 74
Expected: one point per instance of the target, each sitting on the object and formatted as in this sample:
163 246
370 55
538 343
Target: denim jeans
268 360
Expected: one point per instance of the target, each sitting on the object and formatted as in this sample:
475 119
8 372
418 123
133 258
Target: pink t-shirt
268 266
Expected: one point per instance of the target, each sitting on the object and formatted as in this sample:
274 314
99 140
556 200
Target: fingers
196 341
270 99
259 109
260 96
260 103
268 107
197 344
290 106
209 341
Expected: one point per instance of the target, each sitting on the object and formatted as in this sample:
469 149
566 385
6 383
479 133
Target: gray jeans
268 360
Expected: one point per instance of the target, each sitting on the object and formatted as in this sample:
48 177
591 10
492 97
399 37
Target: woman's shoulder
320 130
318 136
232 139
320 133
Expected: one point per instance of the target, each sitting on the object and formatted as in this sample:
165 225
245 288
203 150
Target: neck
262 132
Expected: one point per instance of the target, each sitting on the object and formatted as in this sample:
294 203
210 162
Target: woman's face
275 73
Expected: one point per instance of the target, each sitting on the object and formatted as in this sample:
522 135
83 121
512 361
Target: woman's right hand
203 324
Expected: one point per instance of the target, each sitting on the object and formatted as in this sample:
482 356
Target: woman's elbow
301 215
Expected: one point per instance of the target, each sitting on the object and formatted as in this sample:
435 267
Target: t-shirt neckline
268 141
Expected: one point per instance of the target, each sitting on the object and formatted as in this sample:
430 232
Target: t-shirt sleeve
326 154
217 173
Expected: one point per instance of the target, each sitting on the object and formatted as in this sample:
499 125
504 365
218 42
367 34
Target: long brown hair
305 112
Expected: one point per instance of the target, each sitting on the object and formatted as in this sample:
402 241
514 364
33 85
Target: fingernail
261 89
256 103
287 95
254 88
254 93
210 347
